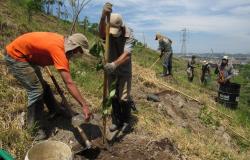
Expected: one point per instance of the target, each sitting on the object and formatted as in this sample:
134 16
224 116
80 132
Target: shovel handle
60 91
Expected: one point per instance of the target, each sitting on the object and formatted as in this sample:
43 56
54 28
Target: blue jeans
29 76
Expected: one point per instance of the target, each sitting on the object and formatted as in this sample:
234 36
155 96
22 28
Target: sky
220 25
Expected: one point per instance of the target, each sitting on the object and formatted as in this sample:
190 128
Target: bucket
228 95
49 150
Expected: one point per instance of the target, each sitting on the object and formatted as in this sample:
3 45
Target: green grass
13 99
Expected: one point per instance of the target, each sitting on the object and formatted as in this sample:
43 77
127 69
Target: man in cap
205 72
224 71
119 67
27 53
166 53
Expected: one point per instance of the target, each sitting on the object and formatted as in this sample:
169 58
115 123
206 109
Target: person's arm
230 73
107 9
102 27
73 90
122 59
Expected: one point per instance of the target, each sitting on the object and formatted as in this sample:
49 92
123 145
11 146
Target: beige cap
225 57
115 23
76 40
158 36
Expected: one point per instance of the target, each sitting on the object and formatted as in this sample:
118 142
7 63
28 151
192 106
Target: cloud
242 10
222 19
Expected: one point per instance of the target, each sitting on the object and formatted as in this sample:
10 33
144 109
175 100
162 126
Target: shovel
77 121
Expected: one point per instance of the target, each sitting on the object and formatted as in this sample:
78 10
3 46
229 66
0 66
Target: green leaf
112 93
99 66
105 112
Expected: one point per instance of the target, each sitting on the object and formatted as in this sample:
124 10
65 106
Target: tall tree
77 7
59 4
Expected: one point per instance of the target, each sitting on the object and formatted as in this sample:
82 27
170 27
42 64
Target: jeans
29 76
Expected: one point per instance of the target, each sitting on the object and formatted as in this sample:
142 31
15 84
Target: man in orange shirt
24 56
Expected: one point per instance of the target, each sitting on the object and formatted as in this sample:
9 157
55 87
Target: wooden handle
105 84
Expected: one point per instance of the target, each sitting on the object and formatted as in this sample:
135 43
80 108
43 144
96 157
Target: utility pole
184 41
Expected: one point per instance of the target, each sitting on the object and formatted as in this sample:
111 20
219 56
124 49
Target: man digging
166 54
27 53
119 67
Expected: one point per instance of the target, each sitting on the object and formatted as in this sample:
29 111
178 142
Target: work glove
107 9
109 67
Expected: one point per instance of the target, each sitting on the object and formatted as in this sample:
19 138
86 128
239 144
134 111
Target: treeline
63 9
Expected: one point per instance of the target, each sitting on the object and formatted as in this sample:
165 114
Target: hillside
186 124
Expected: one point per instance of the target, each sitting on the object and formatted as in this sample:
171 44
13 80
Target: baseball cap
116 23
77 40
225 57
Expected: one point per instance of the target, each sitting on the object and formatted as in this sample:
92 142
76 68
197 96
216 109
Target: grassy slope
17 139
13 137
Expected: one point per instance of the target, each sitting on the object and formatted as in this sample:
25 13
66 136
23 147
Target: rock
227 139
153 97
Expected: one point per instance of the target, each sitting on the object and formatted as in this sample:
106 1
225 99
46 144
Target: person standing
119 67
205 73
165 47
24 57
190 68
224 71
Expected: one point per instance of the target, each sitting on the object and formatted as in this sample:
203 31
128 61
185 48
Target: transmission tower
184 41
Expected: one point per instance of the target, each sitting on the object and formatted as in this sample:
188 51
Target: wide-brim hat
77 40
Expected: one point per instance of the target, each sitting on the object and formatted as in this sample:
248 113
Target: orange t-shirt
40 48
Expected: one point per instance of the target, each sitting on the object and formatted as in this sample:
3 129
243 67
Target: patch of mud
136 147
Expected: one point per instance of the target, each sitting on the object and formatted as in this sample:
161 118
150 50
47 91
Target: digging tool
154 62
76 118
105 84
76 122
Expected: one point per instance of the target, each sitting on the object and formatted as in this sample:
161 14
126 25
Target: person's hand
87 114
109 67
107 9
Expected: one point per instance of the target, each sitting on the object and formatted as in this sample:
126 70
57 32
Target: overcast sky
223 25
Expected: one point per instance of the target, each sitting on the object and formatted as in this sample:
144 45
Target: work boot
116 115
126 116
34 116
